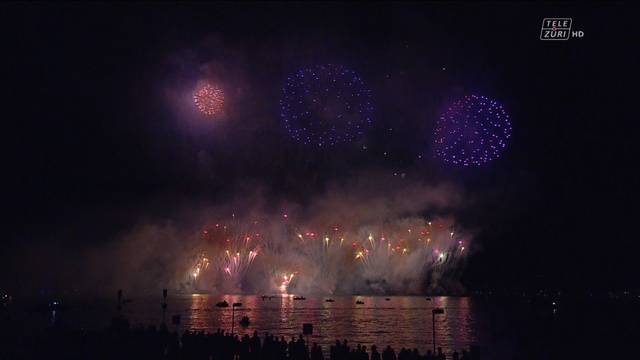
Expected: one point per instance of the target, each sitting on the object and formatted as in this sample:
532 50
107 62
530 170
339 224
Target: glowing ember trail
286 280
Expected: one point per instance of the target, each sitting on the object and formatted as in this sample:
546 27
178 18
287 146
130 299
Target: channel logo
558 29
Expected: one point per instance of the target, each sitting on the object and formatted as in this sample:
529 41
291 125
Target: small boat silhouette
299 298
329 300
57 305
359 302
428 299
387 299
222 304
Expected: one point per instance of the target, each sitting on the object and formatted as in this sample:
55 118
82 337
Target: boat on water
54 305
222 304
359 302
329 300
299 298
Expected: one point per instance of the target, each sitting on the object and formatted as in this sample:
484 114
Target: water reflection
401 321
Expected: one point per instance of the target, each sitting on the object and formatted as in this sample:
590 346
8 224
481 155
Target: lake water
401 321
502 327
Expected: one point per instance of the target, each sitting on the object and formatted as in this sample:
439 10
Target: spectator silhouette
121 341
375 355
316 352
388 354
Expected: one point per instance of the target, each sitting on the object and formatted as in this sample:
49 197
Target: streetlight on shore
233 313
434 312
164 304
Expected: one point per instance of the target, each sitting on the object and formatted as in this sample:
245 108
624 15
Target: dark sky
92 142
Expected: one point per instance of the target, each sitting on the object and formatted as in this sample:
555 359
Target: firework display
200 265
326 105
225 254
472 131
208 98
401 256
286 281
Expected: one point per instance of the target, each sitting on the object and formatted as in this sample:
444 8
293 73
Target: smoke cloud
372 234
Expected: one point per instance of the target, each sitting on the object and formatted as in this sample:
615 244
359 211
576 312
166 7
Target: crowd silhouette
120 341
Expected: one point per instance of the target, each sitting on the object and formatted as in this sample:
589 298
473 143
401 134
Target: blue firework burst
472 131
326 105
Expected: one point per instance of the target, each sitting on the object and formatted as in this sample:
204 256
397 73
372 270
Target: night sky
94 142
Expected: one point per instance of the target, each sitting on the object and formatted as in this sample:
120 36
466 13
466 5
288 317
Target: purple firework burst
473 131
326 105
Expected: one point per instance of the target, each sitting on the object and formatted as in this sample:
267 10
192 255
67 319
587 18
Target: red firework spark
208 98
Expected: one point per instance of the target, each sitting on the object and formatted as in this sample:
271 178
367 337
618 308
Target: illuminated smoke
353 238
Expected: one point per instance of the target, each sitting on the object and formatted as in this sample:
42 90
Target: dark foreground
120 341
539 328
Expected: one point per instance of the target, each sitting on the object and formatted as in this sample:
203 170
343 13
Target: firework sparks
200 265
237 263
326 105
473 131
208 98
286 280
384 256
233 247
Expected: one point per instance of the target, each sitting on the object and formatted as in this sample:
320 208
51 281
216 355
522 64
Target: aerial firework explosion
472 132
326 105
208 98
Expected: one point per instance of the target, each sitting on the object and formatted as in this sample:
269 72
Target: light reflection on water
402 321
